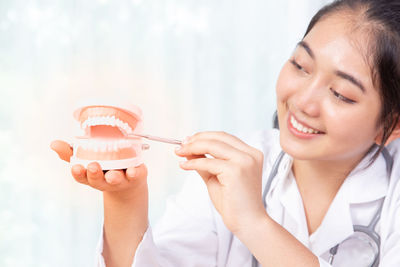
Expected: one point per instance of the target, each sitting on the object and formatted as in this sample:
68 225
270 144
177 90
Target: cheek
352 125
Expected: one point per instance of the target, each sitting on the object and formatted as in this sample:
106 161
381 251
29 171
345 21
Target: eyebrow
307 48
350 79
339 73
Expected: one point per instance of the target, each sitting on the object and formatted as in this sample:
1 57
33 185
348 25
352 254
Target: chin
300 150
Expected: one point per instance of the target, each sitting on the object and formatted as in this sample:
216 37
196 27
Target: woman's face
328 107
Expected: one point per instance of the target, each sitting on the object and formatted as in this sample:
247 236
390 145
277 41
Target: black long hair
381 18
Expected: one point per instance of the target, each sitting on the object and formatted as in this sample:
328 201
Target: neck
323 175
318 182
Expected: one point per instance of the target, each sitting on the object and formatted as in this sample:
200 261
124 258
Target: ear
395 134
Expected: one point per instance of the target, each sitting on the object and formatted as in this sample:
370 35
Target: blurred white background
190 65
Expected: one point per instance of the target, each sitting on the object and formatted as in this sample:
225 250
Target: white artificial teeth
107 120
102 146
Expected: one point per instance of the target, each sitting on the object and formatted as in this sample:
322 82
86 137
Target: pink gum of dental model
107 142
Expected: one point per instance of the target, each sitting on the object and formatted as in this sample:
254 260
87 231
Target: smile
299 128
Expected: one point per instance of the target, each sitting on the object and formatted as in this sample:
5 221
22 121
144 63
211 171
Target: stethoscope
368 231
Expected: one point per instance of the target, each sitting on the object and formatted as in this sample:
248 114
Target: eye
342 98
297 65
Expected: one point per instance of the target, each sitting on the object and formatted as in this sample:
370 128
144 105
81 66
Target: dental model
108 140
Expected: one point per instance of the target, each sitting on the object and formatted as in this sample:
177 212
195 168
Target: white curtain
190 65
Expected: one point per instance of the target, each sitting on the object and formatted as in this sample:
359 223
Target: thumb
63 149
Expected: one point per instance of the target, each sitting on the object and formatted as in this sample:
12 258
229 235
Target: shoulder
264 140
391 210
394 184
267 141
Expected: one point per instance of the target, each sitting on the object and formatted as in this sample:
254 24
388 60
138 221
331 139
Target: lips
300 128
107 129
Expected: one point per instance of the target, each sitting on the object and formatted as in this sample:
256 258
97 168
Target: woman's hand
125 195
233 176
113 181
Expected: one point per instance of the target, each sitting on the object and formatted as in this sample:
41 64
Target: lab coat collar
367 183
331 231
336 226
364 184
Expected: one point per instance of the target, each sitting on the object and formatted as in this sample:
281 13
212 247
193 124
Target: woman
337 97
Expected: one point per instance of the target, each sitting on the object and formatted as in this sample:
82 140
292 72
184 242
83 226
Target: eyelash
342 98
297 65
335 94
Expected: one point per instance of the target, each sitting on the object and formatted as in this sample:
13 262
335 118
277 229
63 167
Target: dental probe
149 137
156 138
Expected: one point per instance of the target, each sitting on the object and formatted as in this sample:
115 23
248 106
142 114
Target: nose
309 99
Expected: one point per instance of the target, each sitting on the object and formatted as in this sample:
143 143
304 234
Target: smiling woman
322 191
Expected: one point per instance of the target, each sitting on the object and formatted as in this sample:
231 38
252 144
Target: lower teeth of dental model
103 145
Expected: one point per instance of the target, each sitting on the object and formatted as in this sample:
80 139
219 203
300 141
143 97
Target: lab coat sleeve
390 243
185 235
390 255
145 253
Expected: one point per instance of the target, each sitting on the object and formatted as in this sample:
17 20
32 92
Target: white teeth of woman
107 120
300 127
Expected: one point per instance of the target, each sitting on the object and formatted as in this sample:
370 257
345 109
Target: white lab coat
191 232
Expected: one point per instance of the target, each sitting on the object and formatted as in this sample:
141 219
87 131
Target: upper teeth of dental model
300 127
107 120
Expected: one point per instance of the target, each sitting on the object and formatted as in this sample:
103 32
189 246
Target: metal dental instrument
156 138
149 137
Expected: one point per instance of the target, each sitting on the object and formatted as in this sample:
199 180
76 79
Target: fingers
224 137
220 145
138 172
204 174
95 176
211 166
111 180
79 174
115 177
63 149
215 148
